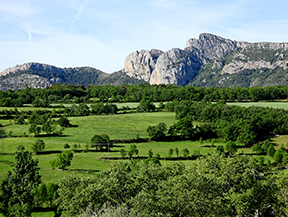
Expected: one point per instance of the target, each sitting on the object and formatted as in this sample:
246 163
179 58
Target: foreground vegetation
124 156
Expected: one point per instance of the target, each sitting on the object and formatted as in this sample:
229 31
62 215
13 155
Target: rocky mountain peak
31 65
211 46
140 64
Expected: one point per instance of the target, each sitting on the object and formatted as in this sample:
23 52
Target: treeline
60 93
235 123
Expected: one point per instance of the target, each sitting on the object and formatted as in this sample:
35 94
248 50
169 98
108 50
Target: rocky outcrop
238 66
175 66
24 80
211 47
31 65
178 66
141 64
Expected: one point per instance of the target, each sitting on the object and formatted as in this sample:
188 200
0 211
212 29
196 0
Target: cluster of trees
214 186
42 122
235 123
60 93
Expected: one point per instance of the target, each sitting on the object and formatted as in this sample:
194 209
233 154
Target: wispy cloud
80 10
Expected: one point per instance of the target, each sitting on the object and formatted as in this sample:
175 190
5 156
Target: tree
150 153
157 132
38 146
183 128
146 105
34 129
177 151
133 151
123 153
63 160
170 152
271 150
46 127
231 147
100 140
220 149
19 186
257 148
41 195
278 156
63 121
185 152
82 110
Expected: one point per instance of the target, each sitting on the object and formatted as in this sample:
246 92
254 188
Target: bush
66 146
63 160
38 146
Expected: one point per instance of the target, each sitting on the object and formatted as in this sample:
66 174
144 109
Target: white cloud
77 17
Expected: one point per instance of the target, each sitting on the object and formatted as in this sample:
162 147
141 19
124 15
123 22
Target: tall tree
19 186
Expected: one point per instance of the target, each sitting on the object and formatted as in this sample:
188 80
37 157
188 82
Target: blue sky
101 33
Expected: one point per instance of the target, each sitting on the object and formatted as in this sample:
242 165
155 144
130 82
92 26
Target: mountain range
209 61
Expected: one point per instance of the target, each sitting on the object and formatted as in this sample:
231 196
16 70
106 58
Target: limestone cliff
141 64
209 57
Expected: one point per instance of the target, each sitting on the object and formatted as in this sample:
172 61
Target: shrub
38 146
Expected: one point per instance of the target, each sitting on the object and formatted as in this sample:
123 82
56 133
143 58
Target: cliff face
141 64
210 56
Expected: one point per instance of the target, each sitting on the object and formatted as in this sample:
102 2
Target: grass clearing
280 105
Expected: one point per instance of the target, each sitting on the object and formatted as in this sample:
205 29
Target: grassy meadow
120 126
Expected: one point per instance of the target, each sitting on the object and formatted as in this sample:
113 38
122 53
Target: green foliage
271 150
157 132
150 153
66 146
18 188
177 152
123 153
183 128
220 149
38 146
133 151
82 110
185 152
100 140
146 105
153 160
214 186
63 121
101 108
34 129
257 148
278 156
62 161
170 152
231 147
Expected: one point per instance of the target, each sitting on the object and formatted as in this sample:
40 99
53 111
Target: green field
281 105
125 126
121 126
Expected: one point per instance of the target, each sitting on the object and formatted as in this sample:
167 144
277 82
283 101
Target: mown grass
281 105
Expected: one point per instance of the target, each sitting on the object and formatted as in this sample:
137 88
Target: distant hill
209 61
37 75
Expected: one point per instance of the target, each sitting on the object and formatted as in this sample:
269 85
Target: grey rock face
141 64
24 80
175 66
211 46
31 65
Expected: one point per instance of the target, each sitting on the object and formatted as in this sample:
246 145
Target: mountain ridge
209 61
